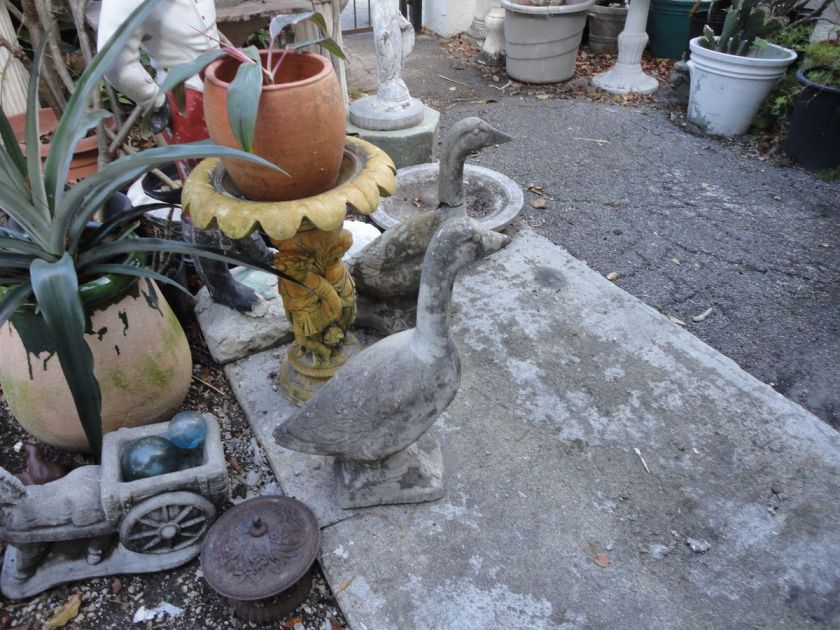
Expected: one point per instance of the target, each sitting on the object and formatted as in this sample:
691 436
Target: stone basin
491 197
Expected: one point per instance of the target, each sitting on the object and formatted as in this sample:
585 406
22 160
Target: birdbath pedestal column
626 76
310 241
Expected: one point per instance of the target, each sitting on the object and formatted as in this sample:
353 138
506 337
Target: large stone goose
389 267
387 396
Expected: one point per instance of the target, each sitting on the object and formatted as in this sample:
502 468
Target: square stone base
415 145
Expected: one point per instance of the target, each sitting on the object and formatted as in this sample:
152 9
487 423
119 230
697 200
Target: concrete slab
604 468
231 334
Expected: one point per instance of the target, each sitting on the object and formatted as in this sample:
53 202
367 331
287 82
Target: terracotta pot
300 127
141 360
84 157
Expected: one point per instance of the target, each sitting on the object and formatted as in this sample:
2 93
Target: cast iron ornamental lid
260 548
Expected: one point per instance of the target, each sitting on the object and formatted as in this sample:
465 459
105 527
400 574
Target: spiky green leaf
58 163
184 71
33 136
56 289
285 20
13 299
140 272
10 144
243 102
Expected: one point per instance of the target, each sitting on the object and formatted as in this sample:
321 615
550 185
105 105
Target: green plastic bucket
667 26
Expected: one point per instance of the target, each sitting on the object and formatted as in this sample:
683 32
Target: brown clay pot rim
210 73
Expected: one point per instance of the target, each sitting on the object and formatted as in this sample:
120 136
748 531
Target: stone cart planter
541 42
727 90
605 25
813 139
92 523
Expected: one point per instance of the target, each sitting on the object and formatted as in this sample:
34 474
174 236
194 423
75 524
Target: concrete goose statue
371 414
389 267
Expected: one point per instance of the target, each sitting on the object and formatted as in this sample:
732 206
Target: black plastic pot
156 189
813 139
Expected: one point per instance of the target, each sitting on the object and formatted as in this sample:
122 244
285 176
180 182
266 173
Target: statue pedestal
310 241
414 145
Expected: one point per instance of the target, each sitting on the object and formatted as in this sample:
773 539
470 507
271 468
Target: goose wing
369 408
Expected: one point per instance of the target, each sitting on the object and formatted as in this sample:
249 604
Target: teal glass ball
149 457
187 429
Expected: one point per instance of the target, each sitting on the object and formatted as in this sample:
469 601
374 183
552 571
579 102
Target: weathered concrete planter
541 43
141 360
605 24
727 90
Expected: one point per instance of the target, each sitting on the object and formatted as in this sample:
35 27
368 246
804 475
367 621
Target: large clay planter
141 360
85 154
300 127
727 90
541 42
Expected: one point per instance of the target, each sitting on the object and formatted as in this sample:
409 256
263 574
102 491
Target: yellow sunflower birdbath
310 241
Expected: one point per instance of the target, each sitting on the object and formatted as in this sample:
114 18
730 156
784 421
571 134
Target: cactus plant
747 24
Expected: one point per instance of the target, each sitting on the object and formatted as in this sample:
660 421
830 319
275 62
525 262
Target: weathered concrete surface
564 376
231 334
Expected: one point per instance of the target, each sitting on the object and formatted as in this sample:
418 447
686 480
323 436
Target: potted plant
733 73
542 38
285 106
75 298
813 139
606 21
699 17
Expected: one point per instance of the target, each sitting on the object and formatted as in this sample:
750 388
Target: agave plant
246 87
746 26
50 247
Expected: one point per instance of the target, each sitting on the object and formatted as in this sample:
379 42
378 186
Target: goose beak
498 137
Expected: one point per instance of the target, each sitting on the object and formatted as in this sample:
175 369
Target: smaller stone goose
387 396
389 267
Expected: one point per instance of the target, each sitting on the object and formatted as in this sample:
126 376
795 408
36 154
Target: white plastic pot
727 90
541 42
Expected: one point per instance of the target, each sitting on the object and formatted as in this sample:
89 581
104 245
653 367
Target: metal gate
356 15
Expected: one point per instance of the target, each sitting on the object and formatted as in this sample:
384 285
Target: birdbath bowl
490 197
310 239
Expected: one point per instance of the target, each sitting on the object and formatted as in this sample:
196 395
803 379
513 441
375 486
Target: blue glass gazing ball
187 429
149 457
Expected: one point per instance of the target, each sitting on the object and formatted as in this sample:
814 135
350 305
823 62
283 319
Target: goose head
464 137
462 241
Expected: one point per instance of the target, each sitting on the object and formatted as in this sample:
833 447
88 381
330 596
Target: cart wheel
167 522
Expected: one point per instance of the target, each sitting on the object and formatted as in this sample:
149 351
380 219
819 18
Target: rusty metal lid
260 548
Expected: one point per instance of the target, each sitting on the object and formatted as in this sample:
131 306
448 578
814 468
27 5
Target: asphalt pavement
688 222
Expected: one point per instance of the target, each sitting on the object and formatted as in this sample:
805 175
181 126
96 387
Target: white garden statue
392 107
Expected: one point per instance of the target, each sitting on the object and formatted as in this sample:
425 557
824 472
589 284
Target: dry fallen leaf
676 320
344 585
417 202
452 89
535 189
335 623
676 261
65 614
702 316
116 586
291 623
543 97
602 560
612 276
539 204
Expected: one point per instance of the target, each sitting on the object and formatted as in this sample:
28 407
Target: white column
626 76
447 17
477 28
493 48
